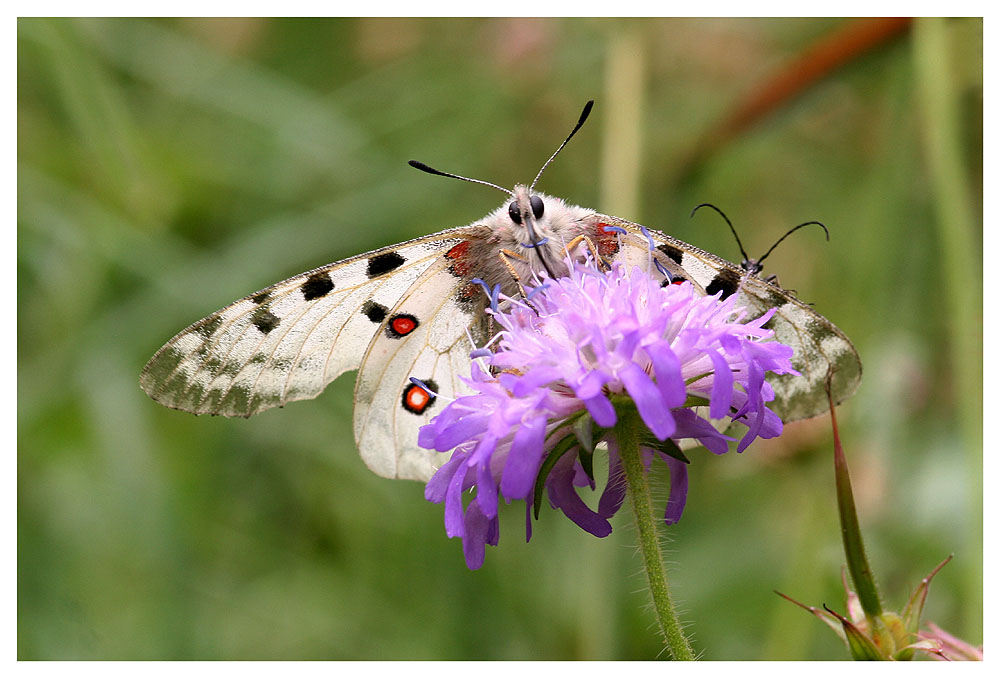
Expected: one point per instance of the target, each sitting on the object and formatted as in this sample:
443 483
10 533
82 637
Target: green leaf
587 462
583 429
915 607
667 447
691 380
927 645
826 617
854 547
550 460
696 401
861 646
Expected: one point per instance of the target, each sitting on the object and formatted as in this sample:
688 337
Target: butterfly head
527 211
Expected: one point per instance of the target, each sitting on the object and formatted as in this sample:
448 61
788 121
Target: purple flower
577 349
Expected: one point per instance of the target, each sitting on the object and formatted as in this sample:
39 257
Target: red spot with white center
416 399
401 325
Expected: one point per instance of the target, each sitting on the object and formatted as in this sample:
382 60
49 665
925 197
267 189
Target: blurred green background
166 168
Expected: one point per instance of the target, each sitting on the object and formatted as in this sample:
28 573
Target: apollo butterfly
407 317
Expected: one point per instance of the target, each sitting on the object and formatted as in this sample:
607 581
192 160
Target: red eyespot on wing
460 266
401 325
416 399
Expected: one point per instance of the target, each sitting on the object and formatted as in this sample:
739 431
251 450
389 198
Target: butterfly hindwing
426 336
818 343
288 341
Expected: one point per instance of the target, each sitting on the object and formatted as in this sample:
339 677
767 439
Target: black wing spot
318 285
374 311
383 263
264 320
674 253
726 282
208 327
261 297
775 299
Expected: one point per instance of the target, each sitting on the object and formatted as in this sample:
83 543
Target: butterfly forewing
818 343
288 341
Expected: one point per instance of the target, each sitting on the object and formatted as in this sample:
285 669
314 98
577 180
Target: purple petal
484 449
590 385
474 542
493 533
454 433
614 491
534 378
722 386
667 368
690 425
678 489
601 410
486 491
564 497
766 425
756 378
454 523
523 460
437 486
648 401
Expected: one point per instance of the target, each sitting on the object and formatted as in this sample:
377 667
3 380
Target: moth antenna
808 223
731 228
430 170
583 118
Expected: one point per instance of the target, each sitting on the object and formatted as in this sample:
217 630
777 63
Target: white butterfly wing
819 344
288 341
425 336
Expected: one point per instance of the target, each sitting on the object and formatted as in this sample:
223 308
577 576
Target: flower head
569 357
892 636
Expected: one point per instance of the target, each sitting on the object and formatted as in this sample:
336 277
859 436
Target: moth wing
817 342
288 341
426 336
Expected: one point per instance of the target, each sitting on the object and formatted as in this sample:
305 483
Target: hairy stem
627 434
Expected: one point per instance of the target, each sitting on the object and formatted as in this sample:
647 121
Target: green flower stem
850 528
627 435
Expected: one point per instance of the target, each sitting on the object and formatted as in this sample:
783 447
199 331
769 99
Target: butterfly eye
515 214
537 206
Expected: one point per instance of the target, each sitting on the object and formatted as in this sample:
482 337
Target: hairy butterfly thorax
407 317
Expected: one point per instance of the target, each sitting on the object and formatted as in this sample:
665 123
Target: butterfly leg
505 257
575 242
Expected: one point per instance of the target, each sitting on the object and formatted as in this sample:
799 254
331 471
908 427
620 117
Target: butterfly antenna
731 228
430 170
808 223
583 118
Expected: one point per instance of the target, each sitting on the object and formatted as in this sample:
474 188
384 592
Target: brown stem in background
845 44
